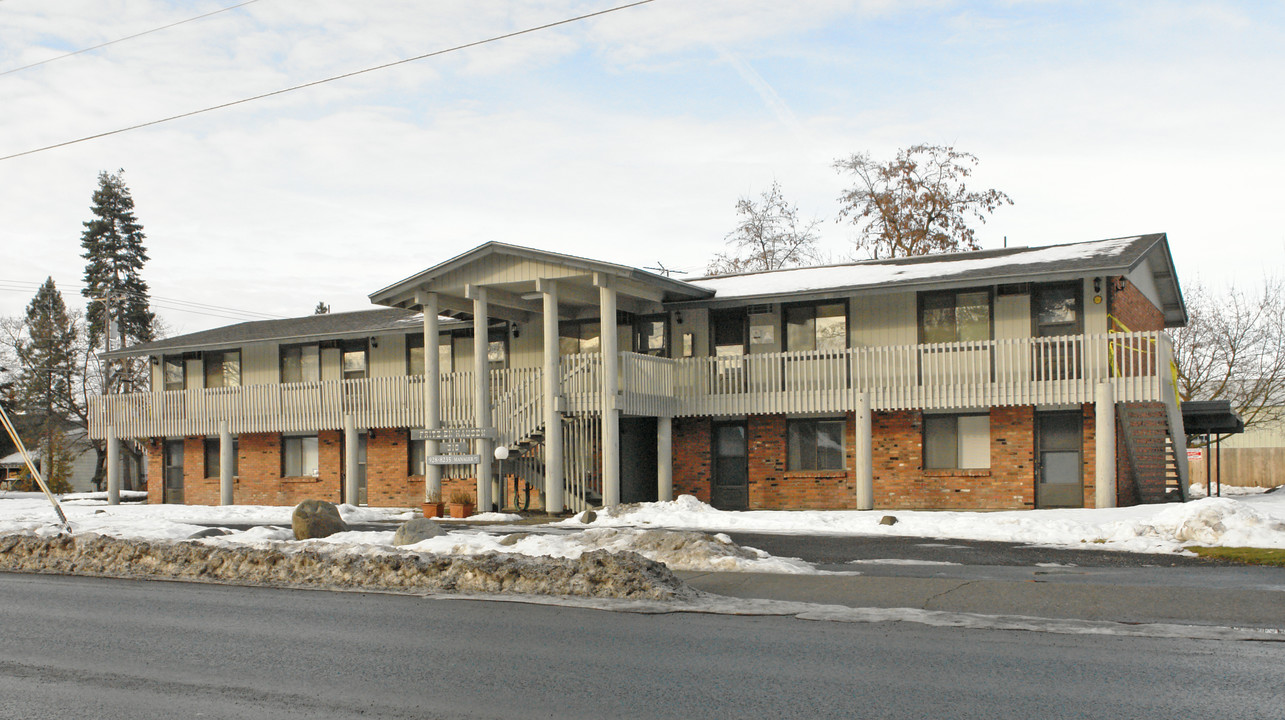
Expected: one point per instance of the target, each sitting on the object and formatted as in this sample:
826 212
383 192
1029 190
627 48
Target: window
212 457
815 444
728 328
353 360
955 316
223 368
957 442
300 363
650 336
816 327
175 371
1056 309
497 349
299 456
417 459
415 354
579 337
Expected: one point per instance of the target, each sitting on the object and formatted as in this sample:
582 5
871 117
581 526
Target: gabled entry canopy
512 274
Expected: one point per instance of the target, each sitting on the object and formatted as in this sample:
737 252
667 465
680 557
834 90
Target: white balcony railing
1027 371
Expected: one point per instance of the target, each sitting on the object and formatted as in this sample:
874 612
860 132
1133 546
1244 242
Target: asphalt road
83 647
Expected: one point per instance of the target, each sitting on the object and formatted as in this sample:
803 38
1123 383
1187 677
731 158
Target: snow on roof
902 270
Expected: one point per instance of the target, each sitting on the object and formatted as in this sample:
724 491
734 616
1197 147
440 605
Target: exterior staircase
1151 447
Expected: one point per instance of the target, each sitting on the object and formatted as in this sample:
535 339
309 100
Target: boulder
888 520
209 532
316 519
588 517
412 531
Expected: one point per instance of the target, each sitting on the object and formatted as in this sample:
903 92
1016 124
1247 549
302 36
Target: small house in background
1028 377
84 461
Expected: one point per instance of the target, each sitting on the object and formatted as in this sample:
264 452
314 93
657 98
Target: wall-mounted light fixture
374 342
516 331
678 317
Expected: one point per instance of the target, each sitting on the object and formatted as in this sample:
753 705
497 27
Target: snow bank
1256 520
598 574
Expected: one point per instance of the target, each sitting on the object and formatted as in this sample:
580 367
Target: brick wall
1131 307
692 456
900 481
899 478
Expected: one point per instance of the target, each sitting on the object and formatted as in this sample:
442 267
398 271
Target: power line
333 78
127 37
164 303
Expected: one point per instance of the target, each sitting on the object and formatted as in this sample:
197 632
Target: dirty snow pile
594 574
268 528
1251 519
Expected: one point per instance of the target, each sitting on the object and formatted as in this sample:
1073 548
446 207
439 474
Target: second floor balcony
1059 370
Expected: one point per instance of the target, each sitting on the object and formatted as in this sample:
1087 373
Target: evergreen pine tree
113 243
47 354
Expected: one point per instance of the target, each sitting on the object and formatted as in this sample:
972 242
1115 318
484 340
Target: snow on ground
270 526
1252 519
664 531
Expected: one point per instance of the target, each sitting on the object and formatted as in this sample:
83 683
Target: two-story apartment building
1014 378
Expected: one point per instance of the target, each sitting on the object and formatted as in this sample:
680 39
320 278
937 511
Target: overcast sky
627 138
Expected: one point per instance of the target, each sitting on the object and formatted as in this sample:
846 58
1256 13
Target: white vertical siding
1012 316
388 356
883 320
260 364
1095 314
331 369
696 322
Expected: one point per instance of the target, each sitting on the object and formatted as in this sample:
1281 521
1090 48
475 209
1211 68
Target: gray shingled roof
311 327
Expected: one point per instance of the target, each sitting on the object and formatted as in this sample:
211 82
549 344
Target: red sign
1195 455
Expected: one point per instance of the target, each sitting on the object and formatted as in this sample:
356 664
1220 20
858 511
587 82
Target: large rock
412 531
316 519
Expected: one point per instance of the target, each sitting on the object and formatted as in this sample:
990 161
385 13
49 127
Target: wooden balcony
1028 371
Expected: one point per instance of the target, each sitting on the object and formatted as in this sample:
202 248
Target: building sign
452 434
1195 455
454 459
453 447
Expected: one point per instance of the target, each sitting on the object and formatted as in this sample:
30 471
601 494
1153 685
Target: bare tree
769 236
916 204
1233 348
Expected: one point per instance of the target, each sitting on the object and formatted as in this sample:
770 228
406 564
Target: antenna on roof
660 268
1005 241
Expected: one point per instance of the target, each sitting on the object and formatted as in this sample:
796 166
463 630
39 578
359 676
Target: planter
461 510
433 510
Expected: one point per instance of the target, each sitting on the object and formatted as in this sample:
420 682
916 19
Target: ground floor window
299 456
212 457
957 441
418 457
814 444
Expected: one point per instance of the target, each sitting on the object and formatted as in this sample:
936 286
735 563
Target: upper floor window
728 330
816 327
223 368
954 316
1056 309
415 354
579 337
354 360
174 370
650 337
300 363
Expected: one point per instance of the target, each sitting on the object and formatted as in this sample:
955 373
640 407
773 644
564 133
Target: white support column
432 392
554 475
664 459
482 393
113 466
863 453
1104 446
227 460
610 391
350 459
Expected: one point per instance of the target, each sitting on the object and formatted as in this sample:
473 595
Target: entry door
730 484
1060 470
174 471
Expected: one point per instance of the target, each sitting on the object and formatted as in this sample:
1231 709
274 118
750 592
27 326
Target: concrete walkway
1108 598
